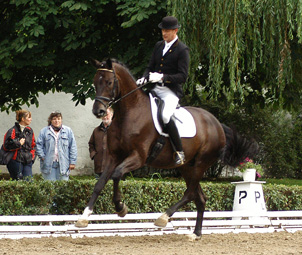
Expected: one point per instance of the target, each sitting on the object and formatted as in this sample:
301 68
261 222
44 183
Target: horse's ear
95 62
109 63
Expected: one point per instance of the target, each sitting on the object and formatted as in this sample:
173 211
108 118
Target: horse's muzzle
98 110
99 114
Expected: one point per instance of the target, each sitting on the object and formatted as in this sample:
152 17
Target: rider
168 70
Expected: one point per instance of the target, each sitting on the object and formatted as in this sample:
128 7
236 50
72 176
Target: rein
117 100
112 101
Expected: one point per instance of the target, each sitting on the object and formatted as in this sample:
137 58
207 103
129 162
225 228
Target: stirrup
179 157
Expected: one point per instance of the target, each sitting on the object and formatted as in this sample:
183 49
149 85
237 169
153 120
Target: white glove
141 81
156 77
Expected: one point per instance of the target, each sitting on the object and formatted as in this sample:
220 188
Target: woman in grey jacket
57 149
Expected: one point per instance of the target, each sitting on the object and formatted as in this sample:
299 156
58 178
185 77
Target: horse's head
106 87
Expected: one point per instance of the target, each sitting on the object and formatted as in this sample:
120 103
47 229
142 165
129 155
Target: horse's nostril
101 113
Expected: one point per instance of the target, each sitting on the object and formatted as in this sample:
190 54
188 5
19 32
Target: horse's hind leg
200 202
120 207
192 176
189 195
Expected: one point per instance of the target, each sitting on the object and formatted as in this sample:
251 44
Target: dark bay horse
132 135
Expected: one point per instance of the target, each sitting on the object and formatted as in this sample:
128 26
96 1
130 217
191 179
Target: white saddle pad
183 120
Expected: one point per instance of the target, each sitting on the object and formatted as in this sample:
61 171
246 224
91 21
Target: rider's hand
156 77
141 81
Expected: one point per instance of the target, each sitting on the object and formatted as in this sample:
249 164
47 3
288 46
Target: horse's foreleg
129 164
132 162
120 207
82 222
99 186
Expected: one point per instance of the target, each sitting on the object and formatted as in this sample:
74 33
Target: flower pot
249 175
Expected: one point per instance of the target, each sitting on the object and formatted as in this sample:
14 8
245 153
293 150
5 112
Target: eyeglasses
56 112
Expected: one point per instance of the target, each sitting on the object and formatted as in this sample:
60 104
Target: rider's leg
176 140
170 104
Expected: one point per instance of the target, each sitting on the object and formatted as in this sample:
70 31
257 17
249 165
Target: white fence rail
142 224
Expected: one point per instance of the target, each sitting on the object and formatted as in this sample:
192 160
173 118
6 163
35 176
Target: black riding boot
176 141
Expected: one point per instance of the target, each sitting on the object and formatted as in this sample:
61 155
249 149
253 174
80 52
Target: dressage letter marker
249 197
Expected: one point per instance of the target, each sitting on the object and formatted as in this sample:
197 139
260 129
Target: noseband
112 99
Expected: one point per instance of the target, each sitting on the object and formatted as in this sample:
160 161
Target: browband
104 69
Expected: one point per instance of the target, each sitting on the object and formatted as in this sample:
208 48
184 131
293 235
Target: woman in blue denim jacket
57 149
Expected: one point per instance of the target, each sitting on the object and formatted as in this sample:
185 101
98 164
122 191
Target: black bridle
113 100
113 94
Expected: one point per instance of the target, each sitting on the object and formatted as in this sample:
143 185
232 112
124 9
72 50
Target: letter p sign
242 195
257 195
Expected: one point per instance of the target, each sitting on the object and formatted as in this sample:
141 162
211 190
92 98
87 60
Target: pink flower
248 160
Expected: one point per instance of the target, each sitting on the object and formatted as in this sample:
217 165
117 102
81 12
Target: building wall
79 118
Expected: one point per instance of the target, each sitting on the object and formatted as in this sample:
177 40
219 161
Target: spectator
20 140
98 142
57 149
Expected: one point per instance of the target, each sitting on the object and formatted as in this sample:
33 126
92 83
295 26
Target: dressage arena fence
37 226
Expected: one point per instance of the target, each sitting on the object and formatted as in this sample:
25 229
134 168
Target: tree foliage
46 45
244 51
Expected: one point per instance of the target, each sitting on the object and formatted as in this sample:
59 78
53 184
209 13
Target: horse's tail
237 148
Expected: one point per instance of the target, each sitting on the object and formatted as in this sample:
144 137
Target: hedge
71 197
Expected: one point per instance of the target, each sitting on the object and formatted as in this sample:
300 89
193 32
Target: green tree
46 45
244 51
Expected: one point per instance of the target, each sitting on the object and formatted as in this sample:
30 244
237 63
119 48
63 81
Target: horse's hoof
123 212
162 220
193 237
81 223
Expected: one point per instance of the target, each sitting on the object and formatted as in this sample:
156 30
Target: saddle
183 119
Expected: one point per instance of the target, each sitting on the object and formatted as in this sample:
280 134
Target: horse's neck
130 101
133 110
134 104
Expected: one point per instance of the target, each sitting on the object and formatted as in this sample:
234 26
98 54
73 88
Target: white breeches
170 99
